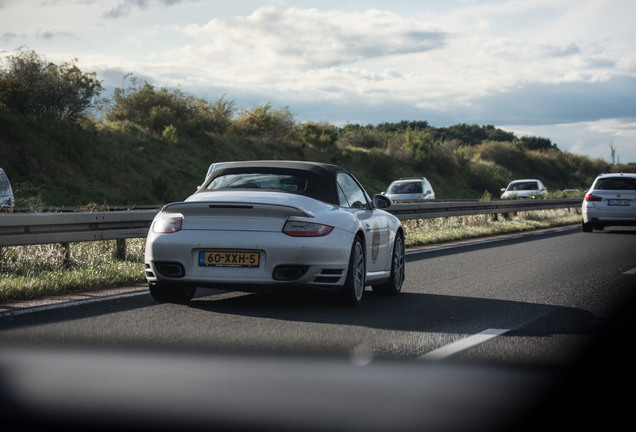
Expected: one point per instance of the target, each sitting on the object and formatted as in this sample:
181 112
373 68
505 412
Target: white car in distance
410 189
525 188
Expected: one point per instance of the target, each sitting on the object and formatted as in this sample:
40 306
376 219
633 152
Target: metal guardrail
466 208
40 228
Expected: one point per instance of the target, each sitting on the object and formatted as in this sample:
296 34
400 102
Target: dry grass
39 270
437 230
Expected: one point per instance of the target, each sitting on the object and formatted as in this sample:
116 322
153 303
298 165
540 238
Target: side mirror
382 201
503 189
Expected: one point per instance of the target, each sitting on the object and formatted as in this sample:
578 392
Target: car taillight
168 223
306 229
590 197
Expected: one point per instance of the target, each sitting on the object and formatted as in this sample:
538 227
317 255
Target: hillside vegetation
62 145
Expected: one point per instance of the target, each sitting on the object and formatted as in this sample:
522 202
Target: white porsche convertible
266 225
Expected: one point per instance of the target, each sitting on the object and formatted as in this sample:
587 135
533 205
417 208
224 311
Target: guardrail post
121 249
67 254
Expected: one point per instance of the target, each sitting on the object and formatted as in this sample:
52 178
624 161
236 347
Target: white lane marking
632 271
463 344
69 304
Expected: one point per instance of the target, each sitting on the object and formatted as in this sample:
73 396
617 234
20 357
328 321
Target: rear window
406 188
616 183
524 186
283 182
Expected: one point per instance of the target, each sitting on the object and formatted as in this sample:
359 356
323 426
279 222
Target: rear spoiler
234 208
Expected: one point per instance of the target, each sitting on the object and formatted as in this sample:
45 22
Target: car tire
587 227
394 285
353 288
172 293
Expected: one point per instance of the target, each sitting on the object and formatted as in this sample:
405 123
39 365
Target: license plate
619 202
229 259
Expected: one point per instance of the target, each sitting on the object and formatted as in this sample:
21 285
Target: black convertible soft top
321 177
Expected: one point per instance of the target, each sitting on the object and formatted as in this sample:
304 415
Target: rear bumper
318 262
611 221
604 217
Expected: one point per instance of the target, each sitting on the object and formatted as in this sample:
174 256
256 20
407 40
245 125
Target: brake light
168 223
590 197
306 229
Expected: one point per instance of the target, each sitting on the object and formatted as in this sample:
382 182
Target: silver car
6 193
525 188
610 201
410 189
267 225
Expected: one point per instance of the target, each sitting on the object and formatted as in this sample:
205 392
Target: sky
558 69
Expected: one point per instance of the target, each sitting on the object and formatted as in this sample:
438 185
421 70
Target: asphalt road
549 303
542 297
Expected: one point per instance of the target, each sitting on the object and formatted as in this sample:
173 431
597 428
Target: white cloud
273 37
592 139
525 62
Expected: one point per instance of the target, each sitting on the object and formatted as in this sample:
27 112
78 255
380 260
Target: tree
496 134
264 122
537 143
402 126
320 135
144 105
158 108
32 87
222 111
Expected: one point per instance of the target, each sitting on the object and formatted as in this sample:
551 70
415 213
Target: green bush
155 109
322 136
34 88
264 122
170 134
